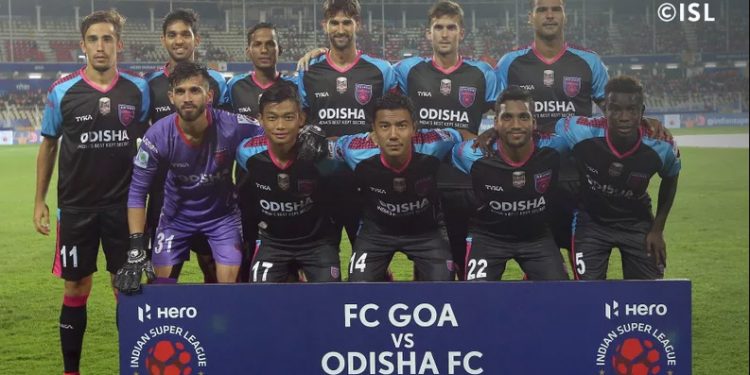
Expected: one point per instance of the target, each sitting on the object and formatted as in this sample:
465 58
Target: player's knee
76 288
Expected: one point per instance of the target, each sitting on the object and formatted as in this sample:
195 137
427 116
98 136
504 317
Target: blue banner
613 327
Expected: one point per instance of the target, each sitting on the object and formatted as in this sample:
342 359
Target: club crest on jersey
572 86
549 78
104 105
282 179
637 181
305 187
445 86
519 179
467 95
422 187
542 181
615 169
126 113
341 85
363 93
399 184
221 156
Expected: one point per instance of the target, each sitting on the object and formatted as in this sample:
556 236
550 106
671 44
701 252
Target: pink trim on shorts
56 264
466 258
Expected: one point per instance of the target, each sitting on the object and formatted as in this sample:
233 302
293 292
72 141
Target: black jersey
614 184
99 129
158 83
512 197
243 92
340 100
565 85
448 98
401 201
287 199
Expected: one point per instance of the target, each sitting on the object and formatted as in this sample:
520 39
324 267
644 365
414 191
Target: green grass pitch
707 238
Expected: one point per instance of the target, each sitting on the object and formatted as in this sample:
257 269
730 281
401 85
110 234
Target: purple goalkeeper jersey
198 183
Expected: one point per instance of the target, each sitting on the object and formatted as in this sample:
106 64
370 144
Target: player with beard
99 111
180 39
449 91
196 147
512 189
339 91
616 160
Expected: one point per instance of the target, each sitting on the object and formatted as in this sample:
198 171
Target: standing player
196 146
512 188
295 228
616 161
338 92
564 80
180 39
99 112
396 171
449 91
263 49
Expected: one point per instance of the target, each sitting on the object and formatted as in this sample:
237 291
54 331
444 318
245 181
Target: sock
72 328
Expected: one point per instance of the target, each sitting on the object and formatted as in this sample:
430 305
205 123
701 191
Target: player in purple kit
99 112
196 146
616 160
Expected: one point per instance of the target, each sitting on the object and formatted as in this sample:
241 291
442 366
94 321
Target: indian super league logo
282 179
363 93
519 179
126 113
466 95
445 86
571 86
399 184
104 105
615 169
341 85
549 78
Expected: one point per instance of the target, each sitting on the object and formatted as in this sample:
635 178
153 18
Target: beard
341 45
192 114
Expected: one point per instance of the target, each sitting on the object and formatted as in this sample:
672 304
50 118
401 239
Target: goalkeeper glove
128 278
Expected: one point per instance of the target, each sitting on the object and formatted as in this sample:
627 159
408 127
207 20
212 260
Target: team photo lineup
259 177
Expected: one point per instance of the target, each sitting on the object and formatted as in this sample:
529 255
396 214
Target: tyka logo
612 310
165 312
144 312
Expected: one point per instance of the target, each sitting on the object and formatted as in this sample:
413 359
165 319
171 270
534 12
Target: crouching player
285 194
196 147
395 168
512 187
616 160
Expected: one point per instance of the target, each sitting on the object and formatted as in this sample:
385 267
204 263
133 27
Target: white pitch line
741 140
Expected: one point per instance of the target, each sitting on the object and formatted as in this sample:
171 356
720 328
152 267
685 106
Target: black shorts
486 258
272 263
593 243
563 202
78 236
457 205
429 252
344 204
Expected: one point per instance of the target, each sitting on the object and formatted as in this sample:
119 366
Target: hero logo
189 312
612 310
341 113
105 136
443 115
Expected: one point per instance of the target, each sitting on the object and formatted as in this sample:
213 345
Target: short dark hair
185 70
393 101
445 8
261 25
103 16
280 92
533 2
349 7
514 92
624 85
186 15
